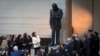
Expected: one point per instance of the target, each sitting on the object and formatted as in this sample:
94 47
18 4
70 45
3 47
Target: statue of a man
55 23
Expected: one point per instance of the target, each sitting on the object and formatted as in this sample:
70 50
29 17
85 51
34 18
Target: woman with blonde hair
4 45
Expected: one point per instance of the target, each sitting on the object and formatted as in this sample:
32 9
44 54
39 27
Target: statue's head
54 6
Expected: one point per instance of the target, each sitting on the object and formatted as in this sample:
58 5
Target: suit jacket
55 18
70 47
18 53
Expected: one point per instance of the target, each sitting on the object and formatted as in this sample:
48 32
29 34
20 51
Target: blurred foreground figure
17 52
69 47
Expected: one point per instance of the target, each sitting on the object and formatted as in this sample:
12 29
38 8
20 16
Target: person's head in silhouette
54 6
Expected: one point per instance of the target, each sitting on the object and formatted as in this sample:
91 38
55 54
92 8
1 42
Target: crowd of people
88 45
24 42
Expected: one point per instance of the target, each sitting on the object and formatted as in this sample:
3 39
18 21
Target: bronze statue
55 23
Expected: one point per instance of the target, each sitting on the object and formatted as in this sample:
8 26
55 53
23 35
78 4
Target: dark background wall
96 23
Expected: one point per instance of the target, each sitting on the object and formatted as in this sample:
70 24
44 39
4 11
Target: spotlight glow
81 19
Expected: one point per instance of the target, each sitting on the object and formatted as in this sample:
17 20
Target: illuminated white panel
19 16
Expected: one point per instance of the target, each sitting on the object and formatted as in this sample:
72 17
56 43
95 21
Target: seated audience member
52 52
69 47
60 51
46 50
36 42
40 52
17 52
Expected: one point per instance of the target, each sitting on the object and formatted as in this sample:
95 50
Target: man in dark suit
55 23
96 48
94 44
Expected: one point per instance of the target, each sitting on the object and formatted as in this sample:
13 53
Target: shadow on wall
81 19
